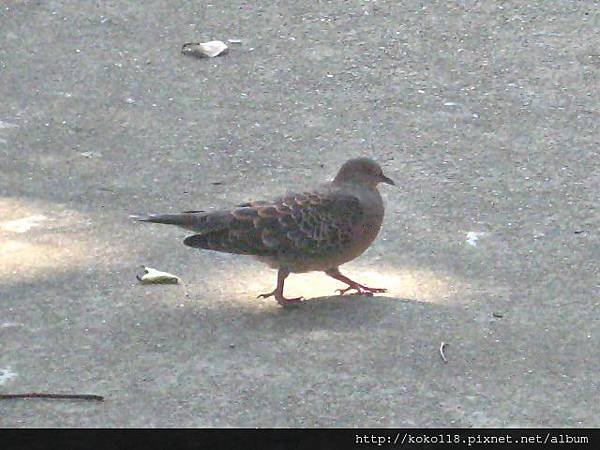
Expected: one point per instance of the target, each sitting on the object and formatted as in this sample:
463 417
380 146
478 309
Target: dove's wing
303 224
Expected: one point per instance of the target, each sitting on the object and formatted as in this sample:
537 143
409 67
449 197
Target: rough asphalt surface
485 113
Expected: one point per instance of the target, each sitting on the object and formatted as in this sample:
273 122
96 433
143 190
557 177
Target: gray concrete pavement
485 113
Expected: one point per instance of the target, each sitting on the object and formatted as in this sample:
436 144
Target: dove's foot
278 292
361 290
352 285
281 299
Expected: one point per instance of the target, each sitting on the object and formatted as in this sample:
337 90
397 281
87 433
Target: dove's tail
197 221
169 219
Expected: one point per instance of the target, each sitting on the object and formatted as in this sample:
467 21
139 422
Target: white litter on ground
153 276
473 237
205 49
6 374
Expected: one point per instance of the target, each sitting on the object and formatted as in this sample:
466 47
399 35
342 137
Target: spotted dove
316 230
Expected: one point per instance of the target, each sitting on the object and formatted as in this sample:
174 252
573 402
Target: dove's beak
387 180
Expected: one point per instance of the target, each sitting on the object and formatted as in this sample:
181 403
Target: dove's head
363 171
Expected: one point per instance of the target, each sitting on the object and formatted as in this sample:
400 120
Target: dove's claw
278 291
281 299
376 290
361 290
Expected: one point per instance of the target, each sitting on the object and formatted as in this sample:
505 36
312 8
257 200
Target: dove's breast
367 229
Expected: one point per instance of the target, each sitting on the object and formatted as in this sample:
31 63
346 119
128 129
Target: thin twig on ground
97 398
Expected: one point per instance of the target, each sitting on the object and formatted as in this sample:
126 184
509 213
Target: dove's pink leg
352 285
278 292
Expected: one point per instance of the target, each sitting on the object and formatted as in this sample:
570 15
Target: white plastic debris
90 154
153 276
6 374
473 237
205 49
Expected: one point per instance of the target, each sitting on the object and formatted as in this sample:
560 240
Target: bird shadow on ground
333 313
338 304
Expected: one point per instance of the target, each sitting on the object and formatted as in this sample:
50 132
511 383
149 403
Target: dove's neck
355 186
371 206
355 180
368 195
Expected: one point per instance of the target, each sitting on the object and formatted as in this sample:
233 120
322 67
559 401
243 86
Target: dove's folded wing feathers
304 224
